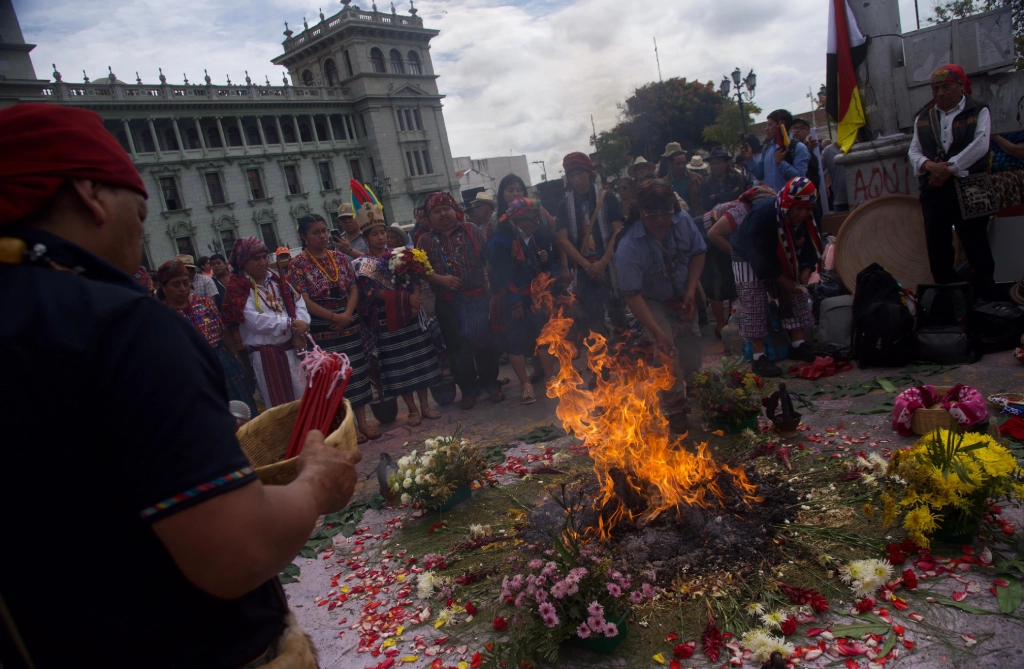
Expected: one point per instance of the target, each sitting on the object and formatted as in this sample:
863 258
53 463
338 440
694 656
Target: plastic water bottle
731 340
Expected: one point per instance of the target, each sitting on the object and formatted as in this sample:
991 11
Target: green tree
675 110
728 126
961 9
612 149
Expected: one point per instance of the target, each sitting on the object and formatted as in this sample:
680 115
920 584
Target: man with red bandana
951 140
115 408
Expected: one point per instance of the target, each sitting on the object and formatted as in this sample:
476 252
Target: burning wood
643 471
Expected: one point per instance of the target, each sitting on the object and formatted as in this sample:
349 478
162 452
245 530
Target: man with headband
658 265
115 406
951 140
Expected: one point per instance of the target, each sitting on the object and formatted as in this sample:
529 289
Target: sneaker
802 352
765 367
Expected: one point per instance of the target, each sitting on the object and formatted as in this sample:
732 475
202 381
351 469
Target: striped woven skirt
349 342
408 360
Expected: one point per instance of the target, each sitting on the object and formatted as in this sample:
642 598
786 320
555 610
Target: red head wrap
577 161
141 276
171 269
245 248
652 194
952 73
41 145
440 198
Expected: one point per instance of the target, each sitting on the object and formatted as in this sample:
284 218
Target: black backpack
883 328
946 333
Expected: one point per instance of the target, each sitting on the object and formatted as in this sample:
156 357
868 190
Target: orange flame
621 422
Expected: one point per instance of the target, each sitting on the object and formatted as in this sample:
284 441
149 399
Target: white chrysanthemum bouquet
432 476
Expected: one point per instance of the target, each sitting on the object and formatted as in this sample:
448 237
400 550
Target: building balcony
348 17
424 184
80 94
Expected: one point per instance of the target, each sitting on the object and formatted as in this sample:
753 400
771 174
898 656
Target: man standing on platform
587 221
951 141
456 252
777 164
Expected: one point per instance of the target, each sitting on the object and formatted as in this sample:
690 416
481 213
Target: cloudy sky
520 76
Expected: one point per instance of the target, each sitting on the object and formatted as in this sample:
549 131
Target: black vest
964 125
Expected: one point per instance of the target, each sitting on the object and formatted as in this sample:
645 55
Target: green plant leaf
289 574
1008 567
858 631
885 385
1010 597
890 642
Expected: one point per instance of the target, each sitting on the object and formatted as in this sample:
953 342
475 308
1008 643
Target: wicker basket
265 438
926 421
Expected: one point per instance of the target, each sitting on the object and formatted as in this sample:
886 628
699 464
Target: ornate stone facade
226 161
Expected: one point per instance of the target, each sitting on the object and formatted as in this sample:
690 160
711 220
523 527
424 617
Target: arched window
321 133
377 60
234 137
270 132
252 135
414 63
307 78
122 139
331 72
304 133
289 132
192 139
396 62
170 141
213 139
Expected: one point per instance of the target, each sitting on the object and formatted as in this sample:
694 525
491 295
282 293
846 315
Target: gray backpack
835 326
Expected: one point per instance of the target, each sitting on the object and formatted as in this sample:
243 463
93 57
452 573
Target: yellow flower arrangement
947 478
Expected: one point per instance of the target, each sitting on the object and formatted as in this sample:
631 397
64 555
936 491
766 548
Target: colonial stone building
227 161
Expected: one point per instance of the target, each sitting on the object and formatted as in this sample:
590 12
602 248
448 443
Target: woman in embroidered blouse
518 251
408 360
327 283
175 291
272 321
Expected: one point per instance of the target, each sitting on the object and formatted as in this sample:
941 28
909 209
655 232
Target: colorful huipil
326 281
407 358
204 316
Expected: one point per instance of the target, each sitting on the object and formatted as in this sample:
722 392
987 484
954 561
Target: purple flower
583 631
520 599
573 588
550 621
546 609
536 564
636 597
614 590
577 574
541 596
649 591
517 583
548 615
560 589
595 609
596 623
610 630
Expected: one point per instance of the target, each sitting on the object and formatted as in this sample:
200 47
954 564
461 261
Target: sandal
371 433
505 380
528 395
432 414
415 418
361 438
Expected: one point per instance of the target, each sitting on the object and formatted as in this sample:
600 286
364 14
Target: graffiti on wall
890 176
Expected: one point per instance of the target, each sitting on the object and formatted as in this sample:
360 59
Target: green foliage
612 151
728 125
675 110
961 9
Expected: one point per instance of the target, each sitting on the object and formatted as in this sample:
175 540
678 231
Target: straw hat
1017 295
672 147
640 160
186 260
394 227
483 197
696 164
888 230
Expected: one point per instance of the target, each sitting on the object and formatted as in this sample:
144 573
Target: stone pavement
938 643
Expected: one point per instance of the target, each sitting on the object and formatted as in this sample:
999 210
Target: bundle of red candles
327 377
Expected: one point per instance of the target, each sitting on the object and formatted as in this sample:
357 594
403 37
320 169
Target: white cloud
519 76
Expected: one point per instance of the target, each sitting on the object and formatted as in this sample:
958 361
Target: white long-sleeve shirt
971 154
267 327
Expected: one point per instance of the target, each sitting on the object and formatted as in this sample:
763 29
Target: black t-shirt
115 415
584 210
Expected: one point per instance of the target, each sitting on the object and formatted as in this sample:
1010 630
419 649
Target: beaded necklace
337 270
270 298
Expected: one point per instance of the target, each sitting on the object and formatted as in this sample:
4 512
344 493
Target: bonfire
643 470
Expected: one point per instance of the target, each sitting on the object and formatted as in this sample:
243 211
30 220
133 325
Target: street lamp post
544 169
382 187
749 83
821 101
